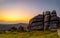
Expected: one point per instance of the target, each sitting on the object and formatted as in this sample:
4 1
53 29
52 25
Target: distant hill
8 26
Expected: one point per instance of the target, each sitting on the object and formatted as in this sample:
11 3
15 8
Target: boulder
53 27
46 20
13 29
36 22
53 21
20 28
54 16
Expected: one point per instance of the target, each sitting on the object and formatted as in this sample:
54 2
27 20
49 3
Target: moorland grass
32 34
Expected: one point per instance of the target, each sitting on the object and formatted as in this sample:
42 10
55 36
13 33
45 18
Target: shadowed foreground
33 34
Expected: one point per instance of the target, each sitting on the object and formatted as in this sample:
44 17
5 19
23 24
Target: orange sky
16 11
15 15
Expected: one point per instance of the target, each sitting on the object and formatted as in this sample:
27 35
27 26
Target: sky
16 11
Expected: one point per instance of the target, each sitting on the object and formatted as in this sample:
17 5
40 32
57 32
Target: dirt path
58 32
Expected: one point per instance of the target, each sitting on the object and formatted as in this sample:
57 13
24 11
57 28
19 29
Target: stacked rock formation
36 23
53 21
46 21
59 22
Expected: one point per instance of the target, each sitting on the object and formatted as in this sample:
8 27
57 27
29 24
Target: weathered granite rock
47 21
53 21
46 16
36 22
53 16
53 25
46 26
20 28
13 29
59 21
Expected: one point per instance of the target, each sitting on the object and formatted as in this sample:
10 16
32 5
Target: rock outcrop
53 21
36 23
46 21
20 28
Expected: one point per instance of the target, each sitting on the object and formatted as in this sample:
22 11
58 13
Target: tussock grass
32 34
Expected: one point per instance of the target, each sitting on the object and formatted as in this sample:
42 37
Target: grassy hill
33 34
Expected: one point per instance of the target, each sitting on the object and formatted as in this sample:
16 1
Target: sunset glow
18 11
15 19
15 15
